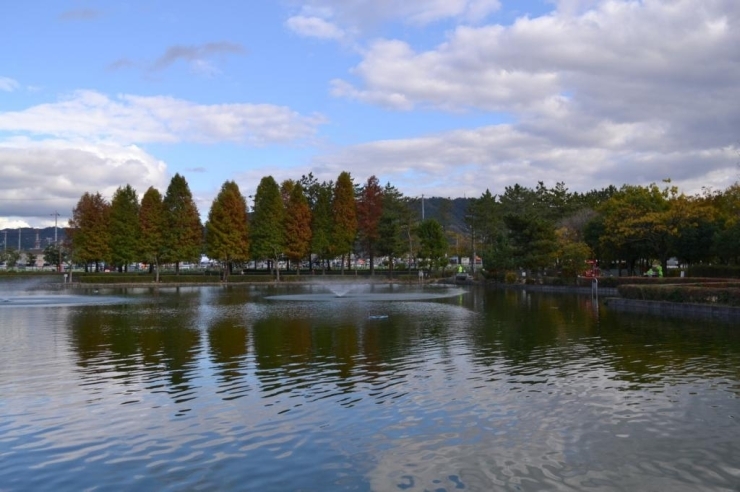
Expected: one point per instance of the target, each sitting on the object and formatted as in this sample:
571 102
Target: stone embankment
682 309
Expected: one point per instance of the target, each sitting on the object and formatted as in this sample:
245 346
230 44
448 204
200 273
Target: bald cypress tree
125 232
183 230
297 226
152 227
369 210
227 237
322 223
268 228
89 230
344 209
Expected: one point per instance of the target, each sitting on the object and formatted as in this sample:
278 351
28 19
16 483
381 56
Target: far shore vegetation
303 226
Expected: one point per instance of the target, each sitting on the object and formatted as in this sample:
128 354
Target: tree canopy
297 226
183 231
125 231
152 226
369 212
344 210
89 230
541 229
267 231
227 235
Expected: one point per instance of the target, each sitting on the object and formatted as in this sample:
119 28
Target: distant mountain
29 237
450 212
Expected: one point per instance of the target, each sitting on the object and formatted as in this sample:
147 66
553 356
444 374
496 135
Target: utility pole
56 242
56 216
422 207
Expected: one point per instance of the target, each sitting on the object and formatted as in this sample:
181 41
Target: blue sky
438 97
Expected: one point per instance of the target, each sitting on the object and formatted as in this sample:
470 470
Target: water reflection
141 346
220 388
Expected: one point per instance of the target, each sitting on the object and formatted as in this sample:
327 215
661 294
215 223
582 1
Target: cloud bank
88 142
599 92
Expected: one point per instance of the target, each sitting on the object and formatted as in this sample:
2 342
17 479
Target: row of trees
297 220
523 228
539 228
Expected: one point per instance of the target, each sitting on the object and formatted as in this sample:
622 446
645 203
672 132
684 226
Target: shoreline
609 295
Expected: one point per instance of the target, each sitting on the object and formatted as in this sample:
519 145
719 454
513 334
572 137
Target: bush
510 277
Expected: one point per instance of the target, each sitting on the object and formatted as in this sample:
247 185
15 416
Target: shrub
510 277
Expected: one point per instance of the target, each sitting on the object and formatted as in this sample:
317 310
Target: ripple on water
438 396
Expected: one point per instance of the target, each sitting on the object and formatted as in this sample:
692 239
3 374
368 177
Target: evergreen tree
297 226
432 242
532 240
11 257
344 210
486 224
390 241
55 254
183 230
227 237
152 227
125 232
89 230
268 227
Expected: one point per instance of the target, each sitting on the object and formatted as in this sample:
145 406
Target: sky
441 98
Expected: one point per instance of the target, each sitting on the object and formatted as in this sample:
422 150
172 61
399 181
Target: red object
593 270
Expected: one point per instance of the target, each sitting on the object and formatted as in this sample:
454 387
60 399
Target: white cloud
39 178
8 85
314 27
53 153
425 12
128 118
599 91
328 18
450 78
635 49
459 163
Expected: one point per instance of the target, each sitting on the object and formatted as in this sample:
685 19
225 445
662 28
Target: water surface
236 388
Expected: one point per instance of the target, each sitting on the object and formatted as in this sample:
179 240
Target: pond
365 388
